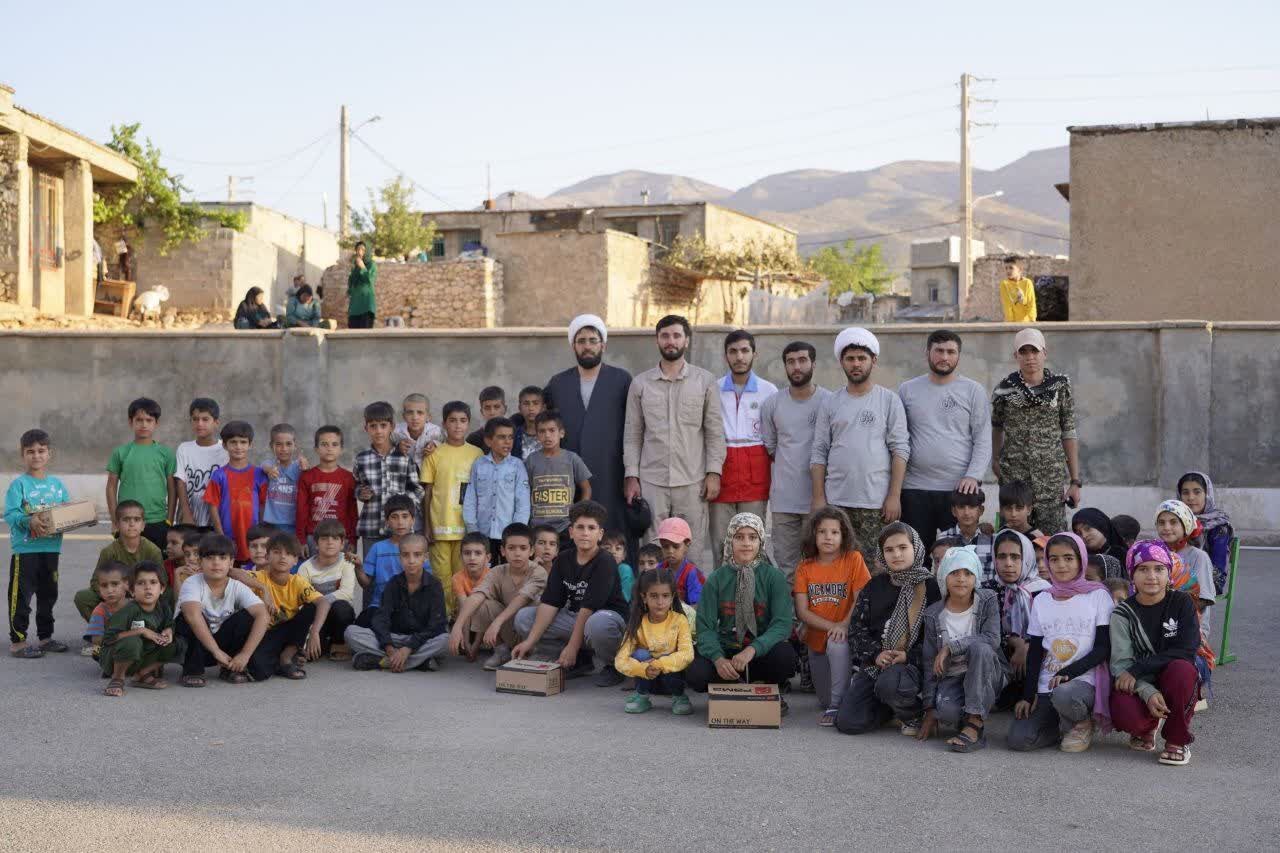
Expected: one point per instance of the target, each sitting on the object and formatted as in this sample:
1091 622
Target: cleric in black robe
592 400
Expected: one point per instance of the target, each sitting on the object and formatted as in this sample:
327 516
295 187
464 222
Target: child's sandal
1177 756
193 681
965 743
1143 744
150 681
291 671
233 677
115 688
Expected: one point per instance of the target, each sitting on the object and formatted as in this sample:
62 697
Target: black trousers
156 532
32 574
341 616
775 667
292 632
360 321
928 512
230 638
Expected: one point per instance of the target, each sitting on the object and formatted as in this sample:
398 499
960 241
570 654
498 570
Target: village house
47 178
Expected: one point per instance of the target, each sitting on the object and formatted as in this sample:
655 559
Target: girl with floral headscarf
1154 639
745 615
1017 584
1177 526
1067 690
886 637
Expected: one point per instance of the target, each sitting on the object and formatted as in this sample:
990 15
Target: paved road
374 761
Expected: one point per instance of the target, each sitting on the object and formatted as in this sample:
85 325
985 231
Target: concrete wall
628 271
1176 221
725 227
1153 399
549 277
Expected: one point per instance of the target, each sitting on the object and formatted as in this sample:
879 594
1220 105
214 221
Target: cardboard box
744 706
69 516
530 677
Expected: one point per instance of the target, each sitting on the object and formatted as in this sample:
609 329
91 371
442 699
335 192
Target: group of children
488 541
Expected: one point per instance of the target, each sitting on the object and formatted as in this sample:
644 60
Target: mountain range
901 201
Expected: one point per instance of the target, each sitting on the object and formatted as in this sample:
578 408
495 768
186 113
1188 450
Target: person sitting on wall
304 309
253 312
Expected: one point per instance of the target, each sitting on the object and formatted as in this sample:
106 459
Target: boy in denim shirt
498 493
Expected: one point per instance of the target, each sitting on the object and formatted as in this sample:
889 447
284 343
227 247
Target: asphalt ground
439 761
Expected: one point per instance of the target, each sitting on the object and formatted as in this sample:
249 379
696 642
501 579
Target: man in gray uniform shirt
949 418
860 445
787 419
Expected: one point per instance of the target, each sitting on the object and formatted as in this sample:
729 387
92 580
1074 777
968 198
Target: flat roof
651 209
1225 124
107 166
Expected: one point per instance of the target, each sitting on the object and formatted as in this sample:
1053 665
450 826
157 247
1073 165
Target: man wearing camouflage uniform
1033 433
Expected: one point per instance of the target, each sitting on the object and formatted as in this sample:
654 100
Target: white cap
1029 337
856 336
580 322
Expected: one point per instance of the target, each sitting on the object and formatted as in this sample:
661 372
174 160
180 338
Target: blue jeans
670 684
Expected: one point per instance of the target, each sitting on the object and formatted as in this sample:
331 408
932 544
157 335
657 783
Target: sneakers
608 677
88 650
911 727
582 667
366 661
25 652
827 719
501 655
681 706
638 703
429 665
52 646
1079 738
1202 705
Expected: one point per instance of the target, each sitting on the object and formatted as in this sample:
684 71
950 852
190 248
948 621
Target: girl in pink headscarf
1068 687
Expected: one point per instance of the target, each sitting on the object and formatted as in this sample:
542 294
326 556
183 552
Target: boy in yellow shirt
1017 293
445 475
297 610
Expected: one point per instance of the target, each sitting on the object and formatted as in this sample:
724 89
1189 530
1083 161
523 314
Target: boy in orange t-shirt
475 564
827 580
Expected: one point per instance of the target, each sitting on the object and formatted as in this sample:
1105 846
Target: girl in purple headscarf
1068 686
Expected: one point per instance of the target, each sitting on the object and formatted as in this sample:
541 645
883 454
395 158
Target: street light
372 119
995 194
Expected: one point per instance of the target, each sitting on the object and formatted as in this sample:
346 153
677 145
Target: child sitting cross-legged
475 566
139 638
129 549
657 647
486 617
297 610
964 668
382 560
334 577
221 620
409 629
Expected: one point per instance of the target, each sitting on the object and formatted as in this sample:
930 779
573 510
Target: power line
324 150
267 161
1138 95
1104 75
1023 231
398 170
859 237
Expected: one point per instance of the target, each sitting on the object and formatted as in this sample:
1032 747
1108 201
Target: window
437 245
932 284
46 226
469 238
668 228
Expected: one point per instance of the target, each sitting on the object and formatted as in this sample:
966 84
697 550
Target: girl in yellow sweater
657 646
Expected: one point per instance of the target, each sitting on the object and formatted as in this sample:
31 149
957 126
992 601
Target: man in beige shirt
673 442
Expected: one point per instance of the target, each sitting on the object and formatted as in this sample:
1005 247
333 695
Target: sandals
827 718
114 688
1176 756
150 681
291 671
193 681
1143 744
339 652
233 677
964 743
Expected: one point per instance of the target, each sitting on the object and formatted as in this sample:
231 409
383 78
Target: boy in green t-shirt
130 549
143 471
139 639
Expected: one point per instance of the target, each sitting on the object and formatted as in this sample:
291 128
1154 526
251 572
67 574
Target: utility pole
344 171
231 187
966 192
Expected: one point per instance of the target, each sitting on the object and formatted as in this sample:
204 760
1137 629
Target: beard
668 355
804 380
589 360
858 377
941 371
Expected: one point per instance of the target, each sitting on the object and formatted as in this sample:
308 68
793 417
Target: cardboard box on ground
530 677
744 706
60 518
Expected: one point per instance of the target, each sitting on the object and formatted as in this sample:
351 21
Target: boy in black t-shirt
582 605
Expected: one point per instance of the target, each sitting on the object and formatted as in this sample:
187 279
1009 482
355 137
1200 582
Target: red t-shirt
326 494
240 506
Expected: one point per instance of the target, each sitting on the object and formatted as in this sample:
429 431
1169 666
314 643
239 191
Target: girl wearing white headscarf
745 615
964 667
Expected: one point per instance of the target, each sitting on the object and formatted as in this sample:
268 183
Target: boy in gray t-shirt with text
557 477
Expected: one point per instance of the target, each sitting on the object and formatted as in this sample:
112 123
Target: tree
850 269
156 199
391 227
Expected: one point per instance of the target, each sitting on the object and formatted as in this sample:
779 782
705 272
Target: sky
546 94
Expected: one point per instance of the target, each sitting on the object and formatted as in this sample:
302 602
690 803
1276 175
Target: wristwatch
1077 484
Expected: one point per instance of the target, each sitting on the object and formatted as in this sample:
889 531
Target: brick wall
436 295
9 243
988 271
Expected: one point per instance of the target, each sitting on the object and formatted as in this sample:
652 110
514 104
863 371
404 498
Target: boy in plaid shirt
381 471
